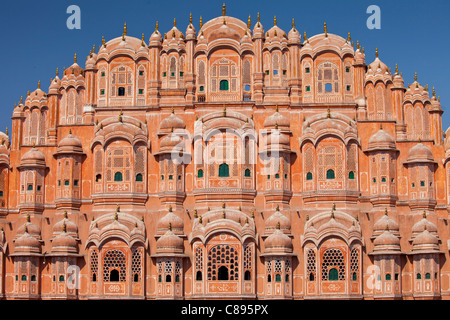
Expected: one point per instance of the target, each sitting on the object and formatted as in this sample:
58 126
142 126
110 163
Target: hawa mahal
230 161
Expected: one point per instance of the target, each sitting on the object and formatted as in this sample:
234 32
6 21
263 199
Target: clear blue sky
35 39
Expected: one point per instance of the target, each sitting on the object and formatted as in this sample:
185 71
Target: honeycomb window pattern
94 265
223 255
333 258
114 260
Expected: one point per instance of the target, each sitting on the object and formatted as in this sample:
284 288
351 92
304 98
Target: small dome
26 243
377 66
172 220
386 239
424 224
34 158
65 225
277 218
381 140
276 138
277 119
420 153
425 241
172 122
278 242
224 32
170 243
385 222
171 141
30 228
70 144
64 243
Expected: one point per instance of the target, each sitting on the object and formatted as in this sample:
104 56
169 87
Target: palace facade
231 161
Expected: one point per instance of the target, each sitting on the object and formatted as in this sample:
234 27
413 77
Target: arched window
224 170
427 275
418 276
247 275
224 85
200 173
311 276
351 175
136 278
139 177
168 278
98 178
118 176
330 174
121 91
222 273
309 176
61 278
333 274
247 173
114 275
278 277
199 276
269 278
388 276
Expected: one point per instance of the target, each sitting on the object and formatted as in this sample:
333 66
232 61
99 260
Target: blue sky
35 39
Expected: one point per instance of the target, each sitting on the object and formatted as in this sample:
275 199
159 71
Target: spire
249 21
293 24
385 211
224 10
325 29
93 48
434 92
142 40
57 72
274 20
201 22
396 68
39 84
170 226
349 38
190 18
376 52
75 58
257 17
156 26
328 113
424 214
125 29
64 227
278 225
415 76
103 42
174 22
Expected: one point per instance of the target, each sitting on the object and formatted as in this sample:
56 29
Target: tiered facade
226 162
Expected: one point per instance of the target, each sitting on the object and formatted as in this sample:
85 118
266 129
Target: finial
39 84
434 92
34 144
396 68
328 113
278 225
103 41
125 29
293 24
224 111
117 208
424 214
75 58
64 227
415 77
274 20
28 217
65 214
26 229
57 71
190 18
142 41
257 17
6 131
334 206
349 38
201 22
249 21
174 22
376 52
325 29
277 208
223 205
21 99
385 211
224 10
156 26
93 48
224 216
358 46
170 208
200 219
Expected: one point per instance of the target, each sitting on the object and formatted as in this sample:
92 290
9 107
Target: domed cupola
33 158
70 145
278 243
386 243
37 97
55 84
277 120
169 244
424 224
156 37
398 79
275 35
258 30
278 219
420 154
386 222
377 66
294 36
171 219
191 34
74 70
425 242
26 244
381 140
170 123
30 228
64 243
65 225
360 57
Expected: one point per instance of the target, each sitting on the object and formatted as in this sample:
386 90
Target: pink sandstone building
226 162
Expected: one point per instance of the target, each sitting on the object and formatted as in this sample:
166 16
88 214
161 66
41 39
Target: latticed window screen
330 158
311 264
118 160
333 260
136 264
121 77
354 262
223 73
114 260
248 254
327 73
94 265
201 73
223 255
